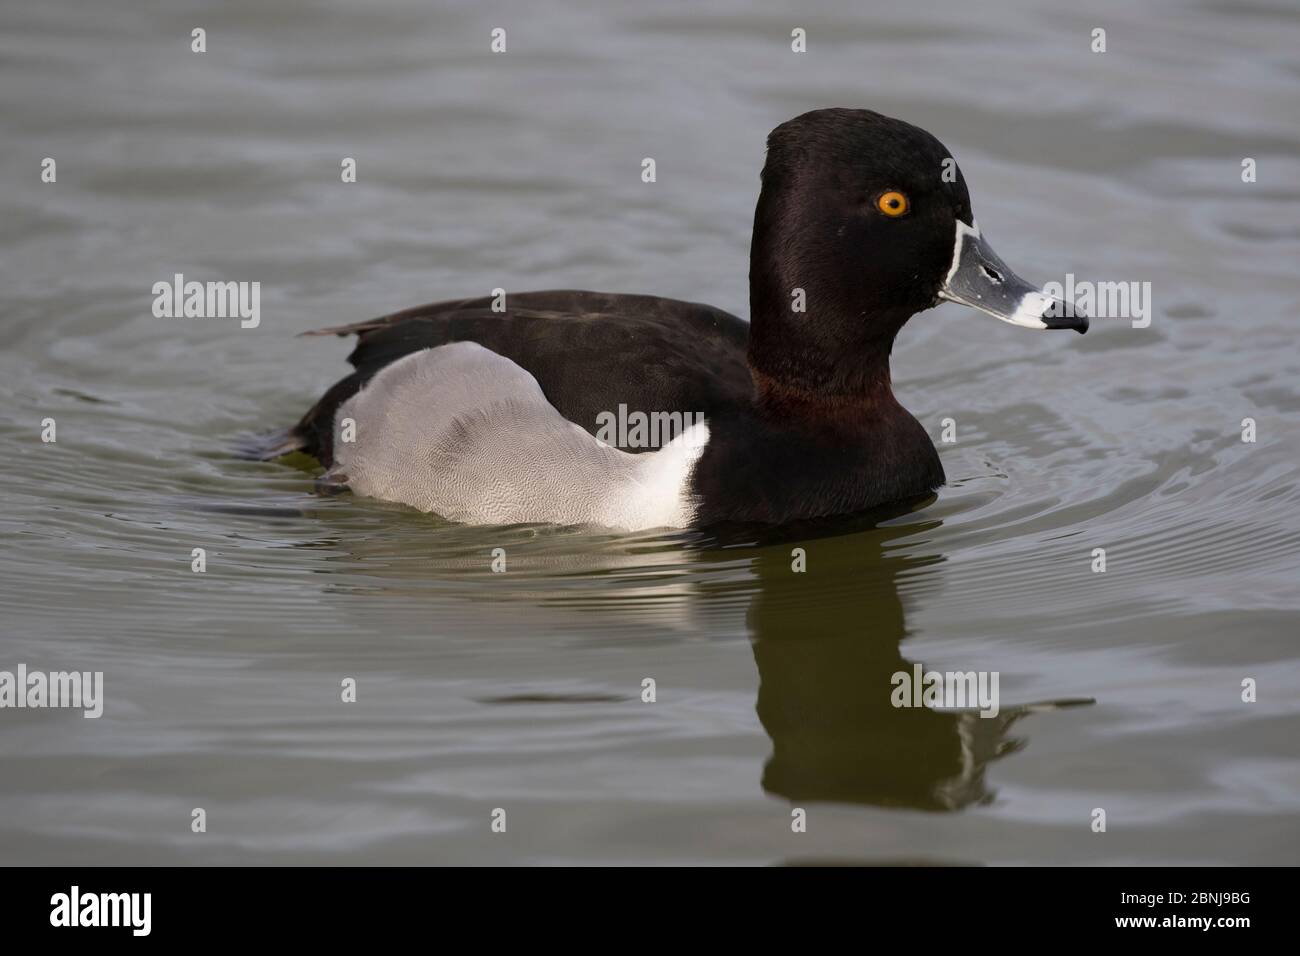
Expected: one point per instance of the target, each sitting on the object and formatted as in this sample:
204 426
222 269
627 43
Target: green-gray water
522 690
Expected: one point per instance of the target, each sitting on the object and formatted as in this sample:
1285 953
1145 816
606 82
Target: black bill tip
1077 322
1063 315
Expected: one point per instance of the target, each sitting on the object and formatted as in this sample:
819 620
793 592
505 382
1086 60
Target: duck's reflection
826 642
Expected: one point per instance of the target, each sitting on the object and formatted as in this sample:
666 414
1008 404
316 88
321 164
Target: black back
589 351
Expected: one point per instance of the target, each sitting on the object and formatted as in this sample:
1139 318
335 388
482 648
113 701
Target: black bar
975 905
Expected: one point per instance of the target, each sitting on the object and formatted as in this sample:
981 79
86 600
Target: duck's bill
979 278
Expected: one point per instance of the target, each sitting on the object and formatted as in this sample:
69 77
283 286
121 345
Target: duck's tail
270 445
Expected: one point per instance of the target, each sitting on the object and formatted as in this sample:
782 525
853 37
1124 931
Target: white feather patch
465 433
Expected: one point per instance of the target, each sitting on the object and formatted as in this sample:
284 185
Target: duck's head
863 221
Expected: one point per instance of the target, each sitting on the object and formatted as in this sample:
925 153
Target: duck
496 410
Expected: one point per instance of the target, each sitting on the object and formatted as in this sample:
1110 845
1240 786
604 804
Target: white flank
657 494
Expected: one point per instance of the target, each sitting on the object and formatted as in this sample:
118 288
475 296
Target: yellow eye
892 203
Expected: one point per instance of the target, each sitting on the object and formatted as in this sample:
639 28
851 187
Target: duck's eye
892 203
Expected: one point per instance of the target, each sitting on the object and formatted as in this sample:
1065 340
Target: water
522 690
